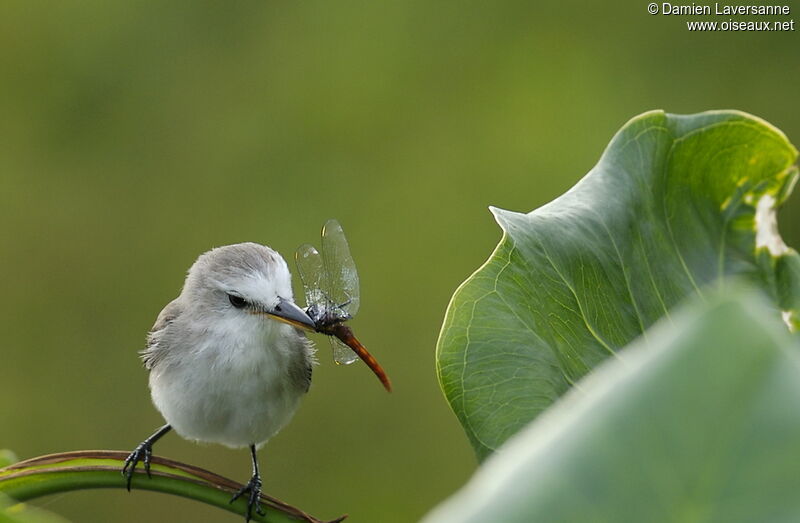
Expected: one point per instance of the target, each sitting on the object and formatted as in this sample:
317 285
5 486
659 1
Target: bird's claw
142 452
254 488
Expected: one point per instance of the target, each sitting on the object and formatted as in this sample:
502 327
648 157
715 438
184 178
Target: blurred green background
136 135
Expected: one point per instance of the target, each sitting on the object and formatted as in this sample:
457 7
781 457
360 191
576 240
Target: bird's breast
237 385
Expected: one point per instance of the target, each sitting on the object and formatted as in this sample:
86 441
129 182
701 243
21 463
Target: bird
228 359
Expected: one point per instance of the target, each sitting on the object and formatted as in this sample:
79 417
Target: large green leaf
674 203
701 425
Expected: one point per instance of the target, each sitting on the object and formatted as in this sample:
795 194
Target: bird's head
244 279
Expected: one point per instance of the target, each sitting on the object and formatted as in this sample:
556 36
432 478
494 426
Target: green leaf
78 470
7 457
12 512
674 203
700 425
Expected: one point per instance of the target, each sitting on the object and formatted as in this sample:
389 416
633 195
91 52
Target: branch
87 469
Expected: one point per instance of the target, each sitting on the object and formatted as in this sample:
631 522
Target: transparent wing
342 286
342 354
315 280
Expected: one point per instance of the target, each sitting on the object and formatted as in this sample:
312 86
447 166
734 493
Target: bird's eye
237 301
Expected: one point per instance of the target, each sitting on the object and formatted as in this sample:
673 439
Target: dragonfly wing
315 280
342 354
340 268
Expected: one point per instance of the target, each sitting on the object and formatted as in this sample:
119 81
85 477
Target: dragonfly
331 287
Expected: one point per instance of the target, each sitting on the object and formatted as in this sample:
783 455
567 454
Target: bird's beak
288 312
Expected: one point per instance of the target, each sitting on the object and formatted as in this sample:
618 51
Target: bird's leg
253 487
143 451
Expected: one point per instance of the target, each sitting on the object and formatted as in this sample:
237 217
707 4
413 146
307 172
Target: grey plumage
151 355
228 360
221 374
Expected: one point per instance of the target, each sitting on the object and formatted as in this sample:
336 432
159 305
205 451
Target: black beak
288 312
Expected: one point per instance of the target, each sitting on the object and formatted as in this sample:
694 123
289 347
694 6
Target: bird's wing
301 368
309 371
153 352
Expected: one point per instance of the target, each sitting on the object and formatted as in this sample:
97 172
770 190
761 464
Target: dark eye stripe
237 301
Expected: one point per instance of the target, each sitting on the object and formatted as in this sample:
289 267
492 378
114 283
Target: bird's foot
253 487
143 452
